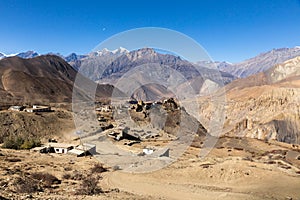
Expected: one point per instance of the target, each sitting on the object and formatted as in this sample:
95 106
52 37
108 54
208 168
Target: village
143 137
134 137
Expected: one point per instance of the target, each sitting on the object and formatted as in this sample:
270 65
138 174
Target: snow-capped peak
120 50
2 55
105 51
27 54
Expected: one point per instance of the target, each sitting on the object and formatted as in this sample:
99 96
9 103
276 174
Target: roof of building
40 106
17 107
85 146
59 145
76 151
37 148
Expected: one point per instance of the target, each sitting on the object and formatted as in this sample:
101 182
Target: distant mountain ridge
104 57
28 54
260 63
25 55
157 67
108 66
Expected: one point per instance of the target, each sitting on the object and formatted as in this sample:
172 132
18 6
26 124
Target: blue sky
230 30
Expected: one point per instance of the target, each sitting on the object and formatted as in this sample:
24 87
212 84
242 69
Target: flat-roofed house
36 108
59 147
16 108
83 150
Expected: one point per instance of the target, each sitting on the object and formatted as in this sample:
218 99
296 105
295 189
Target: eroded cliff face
265 112
265 106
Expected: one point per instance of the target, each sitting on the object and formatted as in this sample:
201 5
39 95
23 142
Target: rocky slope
93 64
147 66
264 106
43 126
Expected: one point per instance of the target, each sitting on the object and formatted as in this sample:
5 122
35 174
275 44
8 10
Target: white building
60 147
16 108
83 150
36 108
148 151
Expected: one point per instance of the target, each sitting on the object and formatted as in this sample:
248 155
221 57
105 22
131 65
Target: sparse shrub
116 167
98 168
67 176
13 159
77 176
26 184
46 178
68 169
89 186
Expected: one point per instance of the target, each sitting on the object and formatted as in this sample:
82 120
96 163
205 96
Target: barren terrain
234 169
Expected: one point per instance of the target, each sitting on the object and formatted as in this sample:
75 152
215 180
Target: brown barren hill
43 79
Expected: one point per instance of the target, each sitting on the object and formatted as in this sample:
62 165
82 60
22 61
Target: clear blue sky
230 30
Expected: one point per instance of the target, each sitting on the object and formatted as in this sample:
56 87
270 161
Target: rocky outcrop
266 110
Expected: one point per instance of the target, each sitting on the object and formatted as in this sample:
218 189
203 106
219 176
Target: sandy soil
211 178
256 171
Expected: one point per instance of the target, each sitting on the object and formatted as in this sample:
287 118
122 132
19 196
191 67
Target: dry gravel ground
257 170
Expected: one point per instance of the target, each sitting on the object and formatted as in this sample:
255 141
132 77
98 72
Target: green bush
13 142
18 142
30 143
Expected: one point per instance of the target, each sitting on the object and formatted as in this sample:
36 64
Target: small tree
45 178
30 143
89 186
98 168
18 142
13 142
26 184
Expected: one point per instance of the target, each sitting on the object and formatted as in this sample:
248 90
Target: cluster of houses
137 105
33 109
84 149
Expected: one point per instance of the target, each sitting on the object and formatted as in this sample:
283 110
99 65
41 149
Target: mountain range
264 104
102 58
259 63
108 67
